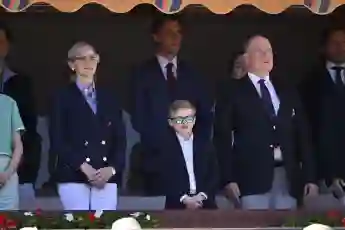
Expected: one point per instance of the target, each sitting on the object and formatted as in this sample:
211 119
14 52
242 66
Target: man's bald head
258 55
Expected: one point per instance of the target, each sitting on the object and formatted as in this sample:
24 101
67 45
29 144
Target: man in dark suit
160 81
324 95
270 160
20 88
186 165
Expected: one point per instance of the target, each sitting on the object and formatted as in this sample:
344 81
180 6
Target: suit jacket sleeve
139 104
20 88
118 149
29 107
310 95
304 141
223 138
204 106
212 180
58 133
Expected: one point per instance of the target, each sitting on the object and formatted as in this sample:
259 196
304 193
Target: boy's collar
181 138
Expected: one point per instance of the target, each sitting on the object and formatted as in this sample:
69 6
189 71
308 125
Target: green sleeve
16 120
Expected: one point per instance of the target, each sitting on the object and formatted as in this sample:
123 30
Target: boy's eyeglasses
182 120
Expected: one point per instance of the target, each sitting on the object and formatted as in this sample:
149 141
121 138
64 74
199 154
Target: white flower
98 214
127 223
136 214
28 214
29 228
69 217
317 227
148 217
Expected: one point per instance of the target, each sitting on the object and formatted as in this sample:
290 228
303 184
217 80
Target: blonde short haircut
180 104
77 50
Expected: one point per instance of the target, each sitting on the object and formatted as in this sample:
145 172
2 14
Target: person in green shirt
11 150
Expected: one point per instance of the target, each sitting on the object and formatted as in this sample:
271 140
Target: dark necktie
338 78
266 98
171 79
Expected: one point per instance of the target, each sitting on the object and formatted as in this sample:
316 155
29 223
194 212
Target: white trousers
79 196
9 191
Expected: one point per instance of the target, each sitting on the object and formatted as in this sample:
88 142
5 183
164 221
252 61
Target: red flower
91 217
334 214
343 222
38 212
11 224
2 220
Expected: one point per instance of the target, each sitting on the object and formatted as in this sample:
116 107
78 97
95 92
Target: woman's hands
97 178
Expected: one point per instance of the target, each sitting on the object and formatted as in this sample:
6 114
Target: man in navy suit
160 81
262 137
323 93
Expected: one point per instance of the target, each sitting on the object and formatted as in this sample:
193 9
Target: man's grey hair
77 48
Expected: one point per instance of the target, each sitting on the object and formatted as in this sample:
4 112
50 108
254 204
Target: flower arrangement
331 218
75 220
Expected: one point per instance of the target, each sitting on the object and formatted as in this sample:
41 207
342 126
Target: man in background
323 93
19 88
160 81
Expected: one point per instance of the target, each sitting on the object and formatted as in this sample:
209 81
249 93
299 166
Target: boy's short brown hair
180 104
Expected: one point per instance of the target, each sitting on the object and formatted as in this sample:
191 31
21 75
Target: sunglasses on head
182 120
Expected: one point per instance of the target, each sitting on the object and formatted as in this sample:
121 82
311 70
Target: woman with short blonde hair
88 136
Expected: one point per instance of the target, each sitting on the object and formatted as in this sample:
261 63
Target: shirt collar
255 79
182 139
330 65
163 61
82 86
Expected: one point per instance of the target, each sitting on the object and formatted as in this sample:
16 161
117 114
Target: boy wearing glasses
187 164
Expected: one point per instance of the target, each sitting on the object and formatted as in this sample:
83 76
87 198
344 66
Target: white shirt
332 72
163 62
275 100
187 150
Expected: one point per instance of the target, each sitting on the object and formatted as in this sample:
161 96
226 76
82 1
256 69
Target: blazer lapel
102 103
198 162
157 71
280 94
252 95
178 152
326 79
81 99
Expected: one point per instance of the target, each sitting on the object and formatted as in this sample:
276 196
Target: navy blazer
325 106
151 100
171 172
244 138
78 135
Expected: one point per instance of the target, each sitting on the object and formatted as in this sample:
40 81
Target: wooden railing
225 218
